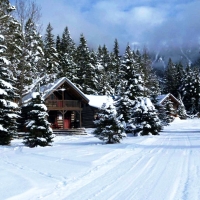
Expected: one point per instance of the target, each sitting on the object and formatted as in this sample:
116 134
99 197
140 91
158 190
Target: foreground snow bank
161 167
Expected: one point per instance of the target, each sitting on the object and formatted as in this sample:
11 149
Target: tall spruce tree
170 79
190 90
130 88
66 50
138 112
8 109
35 49
38 128
102 79
114 67
85 70
151 83
51 55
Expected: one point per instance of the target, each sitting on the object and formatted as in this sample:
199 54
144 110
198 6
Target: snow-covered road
165 167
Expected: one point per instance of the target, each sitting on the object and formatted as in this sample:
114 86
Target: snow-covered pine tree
130 87
169 110
108 126
181 109
140 115
163 115
145 117
58 44
67 45
114 68
38 128
34 49
11 30
85 70
101 72
66 50
151 84
8 109
190 90
170 83
50 54
31 60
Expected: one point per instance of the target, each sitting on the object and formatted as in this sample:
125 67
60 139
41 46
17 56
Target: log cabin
68 107
64 102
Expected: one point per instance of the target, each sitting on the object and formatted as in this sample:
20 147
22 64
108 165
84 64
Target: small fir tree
181 109
145 117
109 127
38 128
170 111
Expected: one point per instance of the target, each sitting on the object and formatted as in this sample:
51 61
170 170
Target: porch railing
63 103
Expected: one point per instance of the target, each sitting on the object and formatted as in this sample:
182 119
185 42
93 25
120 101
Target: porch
74 131
63 104
65 119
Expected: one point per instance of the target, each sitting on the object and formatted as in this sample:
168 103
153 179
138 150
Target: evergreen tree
35 48
180 73
190 90
67 45
163 115
30 65
66 49
151 83
181 110
51 55
130 88
38 128
103 84
145 117
8 109
58 44
109 127
85 70
169 110
170 79
138 112
115 67
11 31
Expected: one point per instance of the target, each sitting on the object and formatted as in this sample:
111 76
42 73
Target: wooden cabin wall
88 114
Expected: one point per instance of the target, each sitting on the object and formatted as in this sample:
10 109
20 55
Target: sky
140 23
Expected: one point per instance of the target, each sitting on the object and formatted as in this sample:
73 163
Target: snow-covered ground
165 167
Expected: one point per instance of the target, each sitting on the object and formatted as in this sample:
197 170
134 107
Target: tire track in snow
136 185
136 159
109 162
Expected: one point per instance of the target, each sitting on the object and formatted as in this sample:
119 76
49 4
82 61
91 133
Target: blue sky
137 22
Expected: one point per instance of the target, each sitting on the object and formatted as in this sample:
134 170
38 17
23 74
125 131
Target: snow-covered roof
48 89
161 98
98 100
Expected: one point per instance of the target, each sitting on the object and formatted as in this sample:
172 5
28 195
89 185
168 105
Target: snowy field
165 167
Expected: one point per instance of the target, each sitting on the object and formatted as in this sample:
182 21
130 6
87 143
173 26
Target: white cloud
141 21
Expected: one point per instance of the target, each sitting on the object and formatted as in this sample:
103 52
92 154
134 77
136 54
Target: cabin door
67 123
